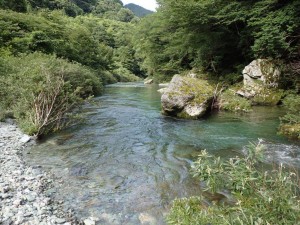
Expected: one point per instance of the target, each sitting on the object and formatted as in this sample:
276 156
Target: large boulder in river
261 81
187 97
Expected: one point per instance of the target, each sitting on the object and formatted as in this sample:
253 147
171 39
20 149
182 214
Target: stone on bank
261 82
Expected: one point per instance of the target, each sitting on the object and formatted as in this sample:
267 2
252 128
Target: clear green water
127 162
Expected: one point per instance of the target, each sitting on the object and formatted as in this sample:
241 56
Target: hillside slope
139 11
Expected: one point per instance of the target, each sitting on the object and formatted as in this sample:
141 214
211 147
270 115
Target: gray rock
145 218
261 73
30 198
163 85
89 221
162 90
27 214
187 97
149 81
261 81
25 138
60 220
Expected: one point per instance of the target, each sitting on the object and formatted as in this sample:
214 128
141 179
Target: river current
127 162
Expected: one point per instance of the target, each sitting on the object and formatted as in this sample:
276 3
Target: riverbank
25 191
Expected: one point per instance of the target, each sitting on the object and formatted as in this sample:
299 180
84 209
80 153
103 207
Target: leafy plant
230 101
260 196
290 123
47 90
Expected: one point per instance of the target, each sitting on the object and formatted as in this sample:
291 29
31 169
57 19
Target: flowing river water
127 162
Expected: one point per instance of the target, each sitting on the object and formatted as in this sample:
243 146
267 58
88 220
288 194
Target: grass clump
290 123
260 197
230 101
42 90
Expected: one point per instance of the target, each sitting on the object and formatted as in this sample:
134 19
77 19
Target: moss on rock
290 130
230 101
187 97
266 96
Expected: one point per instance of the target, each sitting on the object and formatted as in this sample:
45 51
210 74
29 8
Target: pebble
89 222
23 198
25 138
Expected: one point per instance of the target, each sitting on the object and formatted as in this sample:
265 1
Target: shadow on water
127 162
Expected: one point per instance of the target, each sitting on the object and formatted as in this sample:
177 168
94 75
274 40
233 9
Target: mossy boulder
261 72
290 130
261 81
187 97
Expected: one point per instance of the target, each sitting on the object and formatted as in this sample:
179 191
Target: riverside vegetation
257 196
55 54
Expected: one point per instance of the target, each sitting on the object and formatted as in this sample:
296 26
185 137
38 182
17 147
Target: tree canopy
218 36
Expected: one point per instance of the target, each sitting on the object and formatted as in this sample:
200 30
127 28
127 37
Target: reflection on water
128 162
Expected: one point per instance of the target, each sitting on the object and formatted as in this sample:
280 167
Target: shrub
230 101
124 75
41 90
290 123
260 197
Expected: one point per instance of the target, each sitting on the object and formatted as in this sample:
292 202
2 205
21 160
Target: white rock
150 81
145 218
164 85
89 221
25 138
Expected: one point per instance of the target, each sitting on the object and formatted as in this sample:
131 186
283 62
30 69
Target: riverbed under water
127 162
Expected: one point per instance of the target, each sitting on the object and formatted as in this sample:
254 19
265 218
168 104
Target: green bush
290 123
41 90
230 101
259 197
124 75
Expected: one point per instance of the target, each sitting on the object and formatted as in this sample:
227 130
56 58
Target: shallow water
127 162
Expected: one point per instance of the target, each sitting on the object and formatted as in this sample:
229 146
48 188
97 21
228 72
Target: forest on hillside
83 45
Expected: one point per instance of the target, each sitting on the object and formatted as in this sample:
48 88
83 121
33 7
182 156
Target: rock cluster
187 97
23 189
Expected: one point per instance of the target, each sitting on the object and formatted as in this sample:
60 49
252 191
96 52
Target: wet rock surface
23 188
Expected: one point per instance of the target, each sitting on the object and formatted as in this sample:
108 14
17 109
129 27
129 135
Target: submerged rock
261 81
187 97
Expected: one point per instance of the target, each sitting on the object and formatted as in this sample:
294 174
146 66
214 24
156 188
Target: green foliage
261 197
48 86
290 123
16 5
94 42
217 36
47 90
230 101
267 96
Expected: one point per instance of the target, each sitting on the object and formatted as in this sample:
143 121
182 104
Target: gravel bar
23 189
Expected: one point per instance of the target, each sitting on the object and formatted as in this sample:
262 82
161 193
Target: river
127 162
